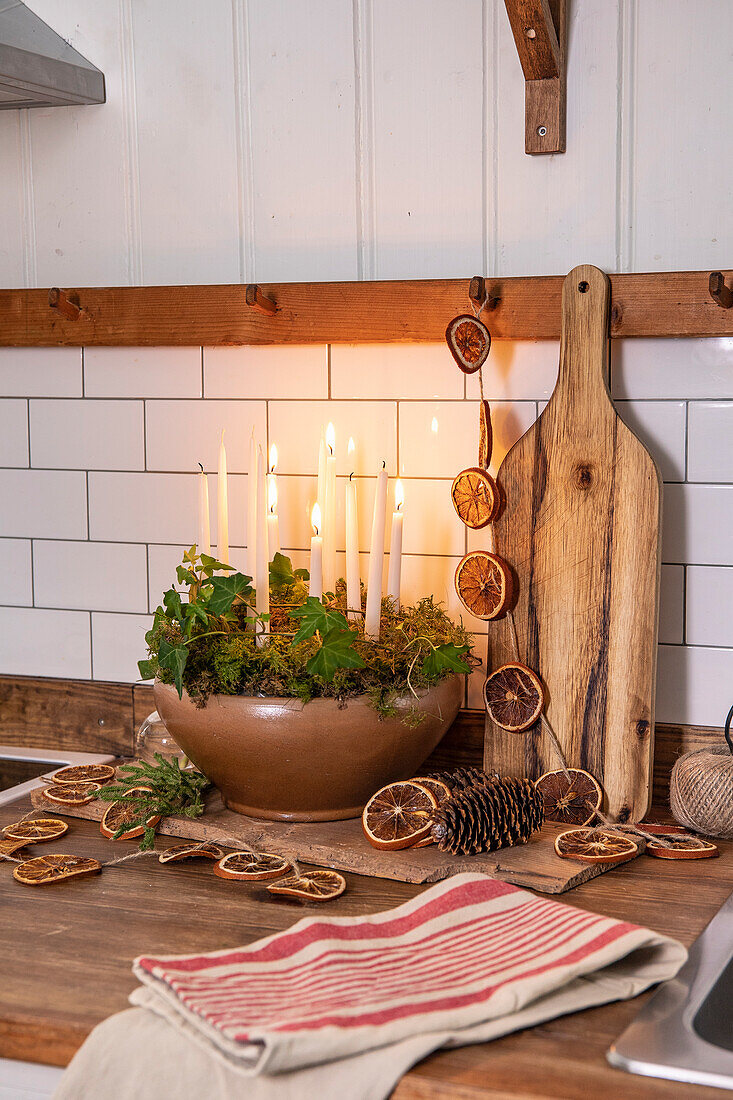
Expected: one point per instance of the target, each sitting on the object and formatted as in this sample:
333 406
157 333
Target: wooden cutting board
581 529
342 845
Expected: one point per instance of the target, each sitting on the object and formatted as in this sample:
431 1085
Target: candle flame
399 495
351 446
316 517
273 458
331 437
434 425
272 493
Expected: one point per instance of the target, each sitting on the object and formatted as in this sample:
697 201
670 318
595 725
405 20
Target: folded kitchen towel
343 1006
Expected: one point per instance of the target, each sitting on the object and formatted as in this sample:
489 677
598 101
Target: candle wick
351 475
384 464
202 468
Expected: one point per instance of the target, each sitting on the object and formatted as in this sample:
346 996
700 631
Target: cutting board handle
584 362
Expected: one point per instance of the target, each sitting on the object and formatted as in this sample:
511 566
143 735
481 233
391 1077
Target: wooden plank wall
95 717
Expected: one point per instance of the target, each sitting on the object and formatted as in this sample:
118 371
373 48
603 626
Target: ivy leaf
147 669
225 590
172 601
315 617
173 658
185 576
210 565
445 658
336 652
196 611
191 556
281 572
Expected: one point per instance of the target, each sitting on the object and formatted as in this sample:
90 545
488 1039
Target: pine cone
493 813
460 779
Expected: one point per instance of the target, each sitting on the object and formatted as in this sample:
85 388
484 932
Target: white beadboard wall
349 139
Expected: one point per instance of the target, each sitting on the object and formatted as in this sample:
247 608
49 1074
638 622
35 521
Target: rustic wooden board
665 303
341 845
581 528
79 715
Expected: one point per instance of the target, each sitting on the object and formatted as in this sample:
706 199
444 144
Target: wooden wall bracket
66 302
255 298
540 34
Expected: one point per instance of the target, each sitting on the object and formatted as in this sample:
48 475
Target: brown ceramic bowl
287 761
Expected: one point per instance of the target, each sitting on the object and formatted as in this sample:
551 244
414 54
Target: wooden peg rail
672 303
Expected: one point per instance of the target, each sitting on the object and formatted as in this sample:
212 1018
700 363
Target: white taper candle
315 587
204 539
376 558
262 570
394 577
222 515
252 507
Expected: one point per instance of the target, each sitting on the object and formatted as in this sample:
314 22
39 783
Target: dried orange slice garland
514 697
42 870
124 812
72 794
475 497
39 830
252 866
571 797
398 815
191 849
484 584
596 846
84 773
469 341
682 847
311 886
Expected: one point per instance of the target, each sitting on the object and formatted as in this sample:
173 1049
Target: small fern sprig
171 791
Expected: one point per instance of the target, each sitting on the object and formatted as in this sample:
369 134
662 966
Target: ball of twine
701 791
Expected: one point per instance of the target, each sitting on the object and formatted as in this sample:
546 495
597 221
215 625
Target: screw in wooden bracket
254 297
721 294
479 294
66 302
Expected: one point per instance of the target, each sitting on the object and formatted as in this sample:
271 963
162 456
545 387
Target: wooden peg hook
255 298
66 302
721 294
479 294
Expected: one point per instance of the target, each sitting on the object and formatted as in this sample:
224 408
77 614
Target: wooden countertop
67 951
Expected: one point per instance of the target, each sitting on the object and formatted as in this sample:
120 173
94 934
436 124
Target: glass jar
153 737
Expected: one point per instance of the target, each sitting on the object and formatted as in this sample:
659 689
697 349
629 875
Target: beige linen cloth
340 1008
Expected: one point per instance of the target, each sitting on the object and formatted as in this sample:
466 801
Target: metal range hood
39 69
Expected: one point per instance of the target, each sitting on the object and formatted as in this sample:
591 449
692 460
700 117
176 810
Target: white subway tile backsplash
87 435
296 426
142 372
13 432
680 369
709 606
428 576
431 525
283 371
672 604
118 643
93 576
37 642
710 441
522 370
440 438
40 372
693 685
158 507
697 524
393 371
660 425
16 555
162 563
43 504
180 434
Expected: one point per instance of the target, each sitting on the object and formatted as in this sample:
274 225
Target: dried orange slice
682 847
571 798
514 697
311 886
475 497
43 869
485 436
127 811
469 341
252 866
484 584
440 792
84 773
190 849
595 846
71 794
398 815
37 830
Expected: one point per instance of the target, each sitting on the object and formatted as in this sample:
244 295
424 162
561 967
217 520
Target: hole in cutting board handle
583 287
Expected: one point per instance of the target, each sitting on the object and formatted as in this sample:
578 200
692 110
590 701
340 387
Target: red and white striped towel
468 951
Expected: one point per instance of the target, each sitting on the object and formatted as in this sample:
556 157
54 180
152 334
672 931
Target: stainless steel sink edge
662 1041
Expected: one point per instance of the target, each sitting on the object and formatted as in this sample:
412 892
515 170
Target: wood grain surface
581 529
668 303
68 950
343 846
